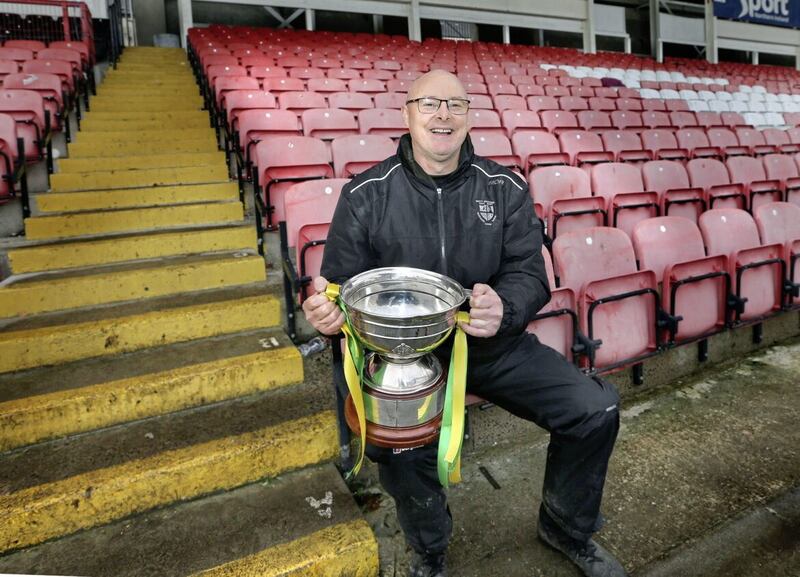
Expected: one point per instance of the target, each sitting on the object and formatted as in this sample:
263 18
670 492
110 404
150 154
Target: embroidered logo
486 211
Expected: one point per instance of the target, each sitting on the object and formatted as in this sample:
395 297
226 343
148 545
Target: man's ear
405 115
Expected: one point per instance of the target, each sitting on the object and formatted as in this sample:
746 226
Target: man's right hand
323 314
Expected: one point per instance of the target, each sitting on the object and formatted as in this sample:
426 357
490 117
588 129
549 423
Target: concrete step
136 197
185 99
56 338
206 143
142 161
196 120
176 115
233 533
145 136
151 106
42 404
130 220
81 288
111 179
72 254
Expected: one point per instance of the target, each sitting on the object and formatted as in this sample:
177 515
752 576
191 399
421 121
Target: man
437 206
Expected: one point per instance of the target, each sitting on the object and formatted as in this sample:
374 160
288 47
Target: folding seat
12 167
509 102
380 75
512 120
385 121
27 109
694 287
682 119
291 62
774 119
397 86
583 147
352 101
750 173
342 73
667 94
255 60
476 88
738 106
497 147
779 223
556 90
792 118
633 104
782 168
718 106
624 119
558 120
219 60
525 90
324 85
256 124
733 120
480 102
695 141
60 68
656 105
663 144
617 305
542 103
606 92
390 100
563 199
279 162
669 179
49 86
726 141
496 78
496 88
708 119
779 139
655 119
756 270
298 101
306 72
483 121
386 65
353 155
263 72
676 105
328 123
754 141
712 176
537 148
626 146
227 84
357 64
8 67
32 45
278 85
593 119
630 94
366 85
627 201
585 92
573 103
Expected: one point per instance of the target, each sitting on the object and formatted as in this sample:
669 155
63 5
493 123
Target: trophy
400 395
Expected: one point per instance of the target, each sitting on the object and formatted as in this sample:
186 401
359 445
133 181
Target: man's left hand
485 313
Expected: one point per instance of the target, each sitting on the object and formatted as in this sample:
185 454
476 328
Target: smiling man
435 205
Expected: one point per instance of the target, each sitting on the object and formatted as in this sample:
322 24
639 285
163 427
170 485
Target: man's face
436 136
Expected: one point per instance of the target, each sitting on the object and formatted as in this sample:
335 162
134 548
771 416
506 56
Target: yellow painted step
146 282
130 115
346 549
139 197
63 507
24 349
116 250
176 98
146 106
77 224
145 136
78 165
99 150
90 125
114 179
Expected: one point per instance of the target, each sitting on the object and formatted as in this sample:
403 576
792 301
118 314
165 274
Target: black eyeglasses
430 104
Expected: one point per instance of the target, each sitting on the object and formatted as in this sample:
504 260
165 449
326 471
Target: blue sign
769 12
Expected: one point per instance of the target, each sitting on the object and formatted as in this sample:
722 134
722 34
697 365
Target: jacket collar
423 181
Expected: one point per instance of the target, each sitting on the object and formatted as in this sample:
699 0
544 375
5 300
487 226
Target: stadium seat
28 110
663 144
279 162
512 120
238 101
631 104
556 90
226 84
537 148
695 141
784 169
352 101
725 140
480 102
733 120
779 223
563 199
556 323
573 103
557 121
256 124
756 270
386 121
541 103
655 119
712 176
626 146
780 140
682 119
390 100
353 155
503 102
526 90
694 287
12 168
709 119
749 172
627 201
617 305
593 120
298 101
325 85
484 121
49 86
668 178
366 85
497 147
328 123
754 141
583 147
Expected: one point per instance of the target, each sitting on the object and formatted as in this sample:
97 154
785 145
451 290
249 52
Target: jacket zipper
441 229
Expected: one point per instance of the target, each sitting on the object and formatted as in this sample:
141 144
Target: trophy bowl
402 313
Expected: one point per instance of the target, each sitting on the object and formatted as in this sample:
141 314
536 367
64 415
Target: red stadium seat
558 120
586 92
753 139
497 147
602 104
328 123
694 287
386 121
519 119
306 72
583 147
593 119
530 90
27 109
779 139
226 84
482 121
749 172
58 67
779 223
353 155
695 141
540 103
626 146
655 119
366 85
632 104
49 86
663 144
617 304
32 45
504 102
496 88
652 104
669 179
480 102
563 199
627 202
390 100
784 169
725 140
624 119
401 86
324 85
281 161
299 101
712 176
381 75
708 119
352 101
676 104
573 103
238 101
556 90
682 119
756 271
733 120
254 125
476 88
537 148
11 167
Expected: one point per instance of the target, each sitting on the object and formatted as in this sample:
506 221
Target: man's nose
444 111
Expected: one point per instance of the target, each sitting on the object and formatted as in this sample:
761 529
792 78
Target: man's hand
485 313
322 313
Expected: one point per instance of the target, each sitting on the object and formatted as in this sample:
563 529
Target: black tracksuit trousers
533 382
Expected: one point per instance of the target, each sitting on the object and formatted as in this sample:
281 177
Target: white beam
589 40
655 27
185 20
311 20
506 34
712 53
414 23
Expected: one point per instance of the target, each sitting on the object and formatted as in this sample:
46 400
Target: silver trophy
400 315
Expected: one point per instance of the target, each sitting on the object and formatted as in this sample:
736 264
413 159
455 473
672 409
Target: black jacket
477 225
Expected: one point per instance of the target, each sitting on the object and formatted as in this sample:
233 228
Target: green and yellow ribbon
451 435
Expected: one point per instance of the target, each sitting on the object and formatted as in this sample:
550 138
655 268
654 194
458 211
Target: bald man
435 205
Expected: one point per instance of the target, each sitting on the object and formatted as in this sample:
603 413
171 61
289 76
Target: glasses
430 105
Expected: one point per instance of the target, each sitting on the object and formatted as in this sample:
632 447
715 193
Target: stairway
154 417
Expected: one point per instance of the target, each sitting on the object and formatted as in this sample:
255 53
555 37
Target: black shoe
427 566
591 557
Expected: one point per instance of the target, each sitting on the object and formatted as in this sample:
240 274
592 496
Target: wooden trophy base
393 438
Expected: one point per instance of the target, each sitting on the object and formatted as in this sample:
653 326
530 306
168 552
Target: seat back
778 222
541 103
593 119
519 119
707 172
237 101
27 108
780 167
353 155
666 240
386 121
575 142
390 100
483 118
298 101
328 123
555 120
590 255
612 178
254 124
